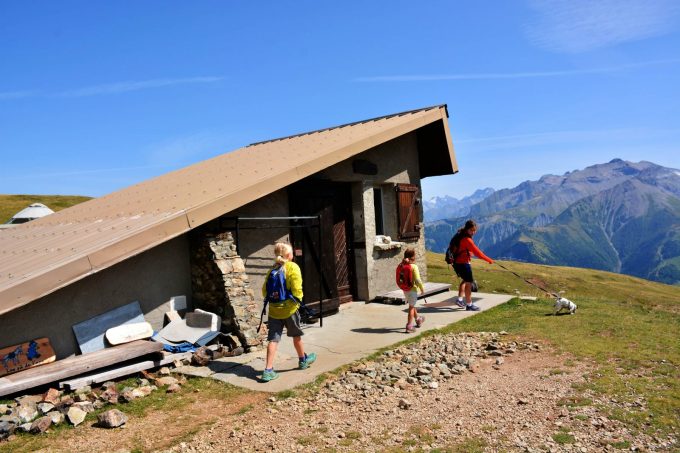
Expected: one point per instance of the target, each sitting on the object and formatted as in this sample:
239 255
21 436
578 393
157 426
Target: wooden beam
73 366
114 373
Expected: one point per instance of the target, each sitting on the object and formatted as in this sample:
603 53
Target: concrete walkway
358 330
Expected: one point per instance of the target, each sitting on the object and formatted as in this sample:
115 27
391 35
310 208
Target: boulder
108 385
166 380
6 429
28 400
85 406
84 390
56 417
40 425
76 415
44 408
51 396
110 395
111 419
26 413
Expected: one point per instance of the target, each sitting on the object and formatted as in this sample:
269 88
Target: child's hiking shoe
410 328
309 359
460 302
472 307
419 321
269 375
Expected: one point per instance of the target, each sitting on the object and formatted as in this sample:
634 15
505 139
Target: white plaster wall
151 278
397 163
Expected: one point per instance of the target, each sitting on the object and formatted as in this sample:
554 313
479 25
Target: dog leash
527 281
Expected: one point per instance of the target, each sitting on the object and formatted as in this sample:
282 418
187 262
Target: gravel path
465 392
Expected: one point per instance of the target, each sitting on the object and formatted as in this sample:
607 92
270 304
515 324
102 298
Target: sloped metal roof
41 256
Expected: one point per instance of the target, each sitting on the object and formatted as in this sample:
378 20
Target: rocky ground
462 393
466 392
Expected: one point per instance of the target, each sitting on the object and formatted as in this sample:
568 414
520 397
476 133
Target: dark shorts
292 325
464 271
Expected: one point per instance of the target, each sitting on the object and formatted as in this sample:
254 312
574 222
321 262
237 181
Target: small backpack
452 250
277 293
276 286
404 276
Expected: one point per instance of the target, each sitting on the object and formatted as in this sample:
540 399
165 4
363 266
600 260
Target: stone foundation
220 285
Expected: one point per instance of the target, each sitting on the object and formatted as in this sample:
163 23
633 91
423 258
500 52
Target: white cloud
512 75
16 94
122 87
573 26
111 88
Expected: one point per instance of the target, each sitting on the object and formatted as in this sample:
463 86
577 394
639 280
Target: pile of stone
425 364
37 413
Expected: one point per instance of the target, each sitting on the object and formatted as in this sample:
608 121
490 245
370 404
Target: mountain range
444 207
619 216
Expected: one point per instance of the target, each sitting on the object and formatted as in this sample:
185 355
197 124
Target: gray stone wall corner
221 285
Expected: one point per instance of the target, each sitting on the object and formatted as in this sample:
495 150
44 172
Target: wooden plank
73 366
26 355
114 373
90 333
430 290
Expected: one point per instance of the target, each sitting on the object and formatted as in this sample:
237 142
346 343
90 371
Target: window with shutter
408 211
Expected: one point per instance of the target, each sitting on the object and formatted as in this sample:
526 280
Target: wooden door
333 255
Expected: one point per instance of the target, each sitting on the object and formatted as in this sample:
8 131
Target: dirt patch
526 400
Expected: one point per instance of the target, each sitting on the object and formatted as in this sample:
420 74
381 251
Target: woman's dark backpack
452 250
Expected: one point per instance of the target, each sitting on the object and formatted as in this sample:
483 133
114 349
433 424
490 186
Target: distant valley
619 216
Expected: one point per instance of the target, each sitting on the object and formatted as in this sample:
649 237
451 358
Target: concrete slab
356 331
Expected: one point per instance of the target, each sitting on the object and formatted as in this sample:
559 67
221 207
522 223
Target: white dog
562 303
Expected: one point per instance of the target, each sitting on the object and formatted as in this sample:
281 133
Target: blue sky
96 96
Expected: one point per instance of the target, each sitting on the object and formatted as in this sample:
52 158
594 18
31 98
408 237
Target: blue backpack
277 293
276 287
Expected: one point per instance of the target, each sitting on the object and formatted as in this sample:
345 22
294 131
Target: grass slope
628 327
11 204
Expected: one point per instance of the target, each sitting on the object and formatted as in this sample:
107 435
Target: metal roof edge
392 115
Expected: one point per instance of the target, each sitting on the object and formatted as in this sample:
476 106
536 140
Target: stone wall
220 285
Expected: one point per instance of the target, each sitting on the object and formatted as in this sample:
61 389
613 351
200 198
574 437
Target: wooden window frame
408 211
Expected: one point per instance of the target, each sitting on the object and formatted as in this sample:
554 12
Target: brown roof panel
41 256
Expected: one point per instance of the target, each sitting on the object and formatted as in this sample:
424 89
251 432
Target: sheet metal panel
39 257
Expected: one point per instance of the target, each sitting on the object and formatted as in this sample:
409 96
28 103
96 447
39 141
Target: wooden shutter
409 214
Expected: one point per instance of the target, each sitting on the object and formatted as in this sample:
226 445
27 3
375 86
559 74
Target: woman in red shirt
462 257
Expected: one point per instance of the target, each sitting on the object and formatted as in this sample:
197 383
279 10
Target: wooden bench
397 296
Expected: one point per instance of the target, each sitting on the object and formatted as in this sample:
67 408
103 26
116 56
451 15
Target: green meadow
11 204
627 327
